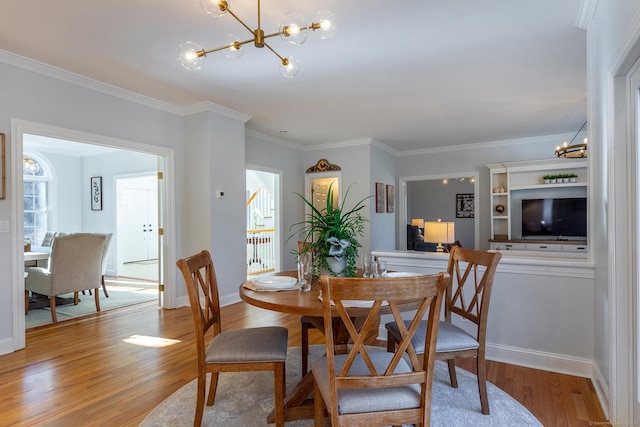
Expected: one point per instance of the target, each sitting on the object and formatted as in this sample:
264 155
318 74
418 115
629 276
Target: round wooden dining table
308 304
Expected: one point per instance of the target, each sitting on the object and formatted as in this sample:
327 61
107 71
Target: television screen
554 217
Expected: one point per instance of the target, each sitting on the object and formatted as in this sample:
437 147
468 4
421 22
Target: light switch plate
4 226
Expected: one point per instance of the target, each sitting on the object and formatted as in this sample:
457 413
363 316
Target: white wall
33 97
108 166
613 46
382 227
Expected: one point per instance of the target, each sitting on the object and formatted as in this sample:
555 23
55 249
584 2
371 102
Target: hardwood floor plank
86 371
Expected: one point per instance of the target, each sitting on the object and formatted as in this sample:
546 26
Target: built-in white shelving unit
510 181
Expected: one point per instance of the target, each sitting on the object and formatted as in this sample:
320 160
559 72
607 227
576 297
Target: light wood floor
85 372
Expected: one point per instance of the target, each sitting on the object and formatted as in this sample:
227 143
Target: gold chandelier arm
274 52
205 52
241 21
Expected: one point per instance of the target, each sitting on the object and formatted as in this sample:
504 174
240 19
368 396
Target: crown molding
585 14
490 144
343 144
85 82
210 107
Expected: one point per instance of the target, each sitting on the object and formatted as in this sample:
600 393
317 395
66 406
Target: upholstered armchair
107 246
75 265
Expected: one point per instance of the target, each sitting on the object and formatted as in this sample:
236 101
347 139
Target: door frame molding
18 129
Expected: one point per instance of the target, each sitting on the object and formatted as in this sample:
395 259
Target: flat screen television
554 217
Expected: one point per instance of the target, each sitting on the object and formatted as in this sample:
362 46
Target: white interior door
138 219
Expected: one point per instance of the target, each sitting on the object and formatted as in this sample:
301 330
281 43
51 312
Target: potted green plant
333 233
546 179
553 179
573 177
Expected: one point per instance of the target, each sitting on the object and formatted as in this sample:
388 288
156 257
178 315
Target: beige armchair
107 246
75 265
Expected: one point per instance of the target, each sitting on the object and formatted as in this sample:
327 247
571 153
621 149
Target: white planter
337 267
565 180
553 180
573 180
546 181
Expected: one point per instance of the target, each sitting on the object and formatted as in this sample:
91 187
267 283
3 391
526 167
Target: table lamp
439 232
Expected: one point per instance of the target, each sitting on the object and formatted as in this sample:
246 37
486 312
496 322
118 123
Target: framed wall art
380 199
3 169
391 198
96 193
464 206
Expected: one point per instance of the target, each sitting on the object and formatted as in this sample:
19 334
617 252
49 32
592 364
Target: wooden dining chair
365 387
471 303
252 349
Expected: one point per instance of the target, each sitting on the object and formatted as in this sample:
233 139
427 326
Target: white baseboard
552 362
226 299
6 346
602 389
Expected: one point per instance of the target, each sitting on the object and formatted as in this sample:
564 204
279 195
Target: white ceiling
411 74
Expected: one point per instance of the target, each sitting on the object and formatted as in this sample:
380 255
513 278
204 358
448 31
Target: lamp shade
419 222
439 232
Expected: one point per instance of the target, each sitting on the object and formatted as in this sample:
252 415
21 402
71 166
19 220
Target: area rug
125 294
245 399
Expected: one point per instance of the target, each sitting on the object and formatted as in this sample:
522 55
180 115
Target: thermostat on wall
220 194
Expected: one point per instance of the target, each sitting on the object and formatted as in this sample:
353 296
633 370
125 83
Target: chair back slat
357 298
471 274
200 280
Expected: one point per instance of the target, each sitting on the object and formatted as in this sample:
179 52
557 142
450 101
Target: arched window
36 199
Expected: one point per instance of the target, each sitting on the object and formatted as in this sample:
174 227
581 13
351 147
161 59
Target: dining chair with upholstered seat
242 350
377 388
74 266
468 294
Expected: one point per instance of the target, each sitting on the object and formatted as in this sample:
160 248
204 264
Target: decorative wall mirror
318 178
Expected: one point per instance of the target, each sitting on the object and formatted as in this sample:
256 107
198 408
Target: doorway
165 165
450 184
263 221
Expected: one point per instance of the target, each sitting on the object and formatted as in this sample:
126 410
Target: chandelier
571 151
293 29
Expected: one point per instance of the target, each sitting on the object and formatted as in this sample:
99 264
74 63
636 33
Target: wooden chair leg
26 302
318 406
213 387
452 373
76 298
104 287
97 298
391 343
279 392
202 385
52 305
482 384
304 332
